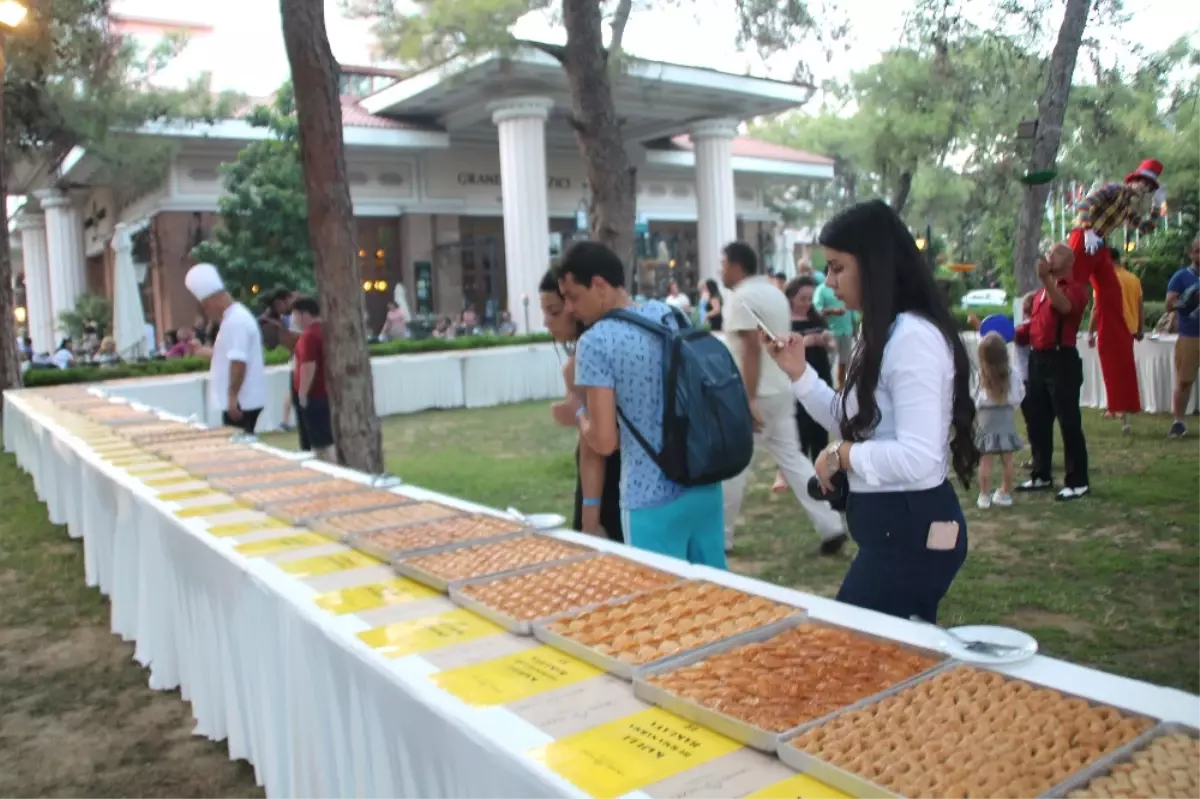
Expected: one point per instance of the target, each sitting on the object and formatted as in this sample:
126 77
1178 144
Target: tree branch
620 20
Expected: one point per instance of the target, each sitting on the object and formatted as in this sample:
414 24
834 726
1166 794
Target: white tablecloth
294 691
403 384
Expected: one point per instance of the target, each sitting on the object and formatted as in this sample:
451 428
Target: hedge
37 378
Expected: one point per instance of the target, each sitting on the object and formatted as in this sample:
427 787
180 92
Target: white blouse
909 449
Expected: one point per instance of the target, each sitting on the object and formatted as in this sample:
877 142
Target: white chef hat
203 281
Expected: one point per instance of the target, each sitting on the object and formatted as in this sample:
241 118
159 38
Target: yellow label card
287 543
633 752
516 676
206 511
798 786
158 468
191 493
432 632
163 482
136 461
326 564
235 529
375 595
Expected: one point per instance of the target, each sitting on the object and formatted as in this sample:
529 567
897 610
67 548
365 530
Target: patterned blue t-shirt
629 360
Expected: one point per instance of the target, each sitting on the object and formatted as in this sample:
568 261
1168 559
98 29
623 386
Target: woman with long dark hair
711 311
905 417
598 478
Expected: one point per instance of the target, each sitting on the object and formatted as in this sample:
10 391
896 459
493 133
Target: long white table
484 378
295 691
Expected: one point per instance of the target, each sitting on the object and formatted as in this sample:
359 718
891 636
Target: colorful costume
1103 211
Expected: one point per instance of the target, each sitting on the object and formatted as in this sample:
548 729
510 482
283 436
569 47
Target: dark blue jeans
894 572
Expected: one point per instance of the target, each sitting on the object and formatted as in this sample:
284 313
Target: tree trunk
331 229
10 363
1052 109
903 188
613 201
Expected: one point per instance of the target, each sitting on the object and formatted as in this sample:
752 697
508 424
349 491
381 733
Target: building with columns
466 182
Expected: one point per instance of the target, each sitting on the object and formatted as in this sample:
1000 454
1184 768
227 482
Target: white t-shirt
239 339
62 358
765 298
680 302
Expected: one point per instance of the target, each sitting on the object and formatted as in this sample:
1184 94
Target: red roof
745 147
353 115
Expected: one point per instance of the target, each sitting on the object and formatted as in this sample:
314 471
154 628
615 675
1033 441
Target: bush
39 378
962 315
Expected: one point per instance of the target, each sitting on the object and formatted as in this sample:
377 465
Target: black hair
549 285
280 294
895 278
308 305
587 260
793 288
742 254
713 289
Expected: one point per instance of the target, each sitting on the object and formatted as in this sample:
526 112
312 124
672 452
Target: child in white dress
999 395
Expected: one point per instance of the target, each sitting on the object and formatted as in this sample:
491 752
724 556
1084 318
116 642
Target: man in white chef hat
237 381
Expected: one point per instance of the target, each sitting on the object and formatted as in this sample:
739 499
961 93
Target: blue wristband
591 503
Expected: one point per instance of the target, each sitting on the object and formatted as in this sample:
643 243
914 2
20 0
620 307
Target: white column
522 125
39 308
716 226
64 239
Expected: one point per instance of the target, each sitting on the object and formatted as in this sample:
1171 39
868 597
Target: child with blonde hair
1000 392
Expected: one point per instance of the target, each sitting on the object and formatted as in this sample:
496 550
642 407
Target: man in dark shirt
1056 374
312 399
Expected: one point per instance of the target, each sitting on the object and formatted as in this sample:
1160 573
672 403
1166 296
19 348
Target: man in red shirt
1056 374
309 377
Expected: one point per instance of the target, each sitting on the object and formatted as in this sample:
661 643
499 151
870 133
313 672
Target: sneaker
833 545
983 502
1070 494
1001 499
1035 484
1178 430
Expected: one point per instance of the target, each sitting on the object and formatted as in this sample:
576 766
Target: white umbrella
129 323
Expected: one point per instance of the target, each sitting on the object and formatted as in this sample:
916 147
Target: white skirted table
218 608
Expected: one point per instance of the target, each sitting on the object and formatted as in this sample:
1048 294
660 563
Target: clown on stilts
1102 212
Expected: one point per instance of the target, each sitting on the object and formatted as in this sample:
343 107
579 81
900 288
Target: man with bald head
237 380
1055 374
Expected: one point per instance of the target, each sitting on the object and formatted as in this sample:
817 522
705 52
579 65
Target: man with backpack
755 301
684 421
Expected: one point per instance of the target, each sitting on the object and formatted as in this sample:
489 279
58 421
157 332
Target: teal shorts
690 528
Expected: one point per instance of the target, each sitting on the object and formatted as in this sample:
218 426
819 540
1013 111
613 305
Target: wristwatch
833 460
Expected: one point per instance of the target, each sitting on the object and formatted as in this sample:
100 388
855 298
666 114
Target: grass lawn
1110 581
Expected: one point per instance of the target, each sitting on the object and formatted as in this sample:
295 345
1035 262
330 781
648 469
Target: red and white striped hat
1150 169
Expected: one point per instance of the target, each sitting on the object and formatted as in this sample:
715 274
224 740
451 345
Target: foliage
263 236
72 80
94 308
949 114
90 374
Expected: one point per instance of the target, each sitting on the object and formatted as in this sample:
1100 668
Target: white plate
1005 636
545 521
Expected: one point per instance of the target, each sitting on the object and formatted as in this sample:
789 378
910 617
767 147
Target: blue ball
998 323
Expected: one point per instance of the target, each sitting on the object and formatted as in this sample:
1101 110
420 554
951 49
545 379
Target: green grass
1110 582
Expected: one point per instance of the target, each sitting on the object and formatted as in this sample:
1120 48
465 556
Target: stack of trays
962 731
637 632
540 593
761 685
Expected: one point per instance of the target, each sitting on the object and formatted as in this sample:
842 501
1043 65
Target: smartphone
763 326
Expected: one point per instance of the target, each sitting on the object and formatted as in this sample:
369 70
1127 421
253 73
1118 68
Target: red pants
1115 342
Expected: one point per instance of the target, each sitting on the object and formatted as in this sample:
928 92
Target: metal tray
357 541
216 470
269 478
439 583
742 731
313 519
323 521
626 671
1104 765
859 786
